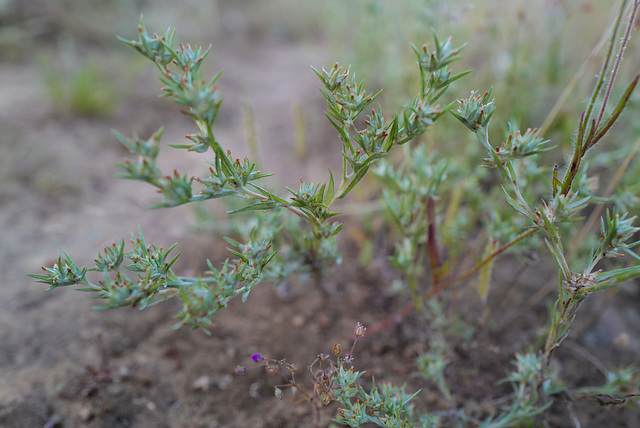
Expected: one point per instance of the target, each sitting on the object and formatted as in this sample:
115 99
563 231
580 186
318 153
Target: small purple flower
257 358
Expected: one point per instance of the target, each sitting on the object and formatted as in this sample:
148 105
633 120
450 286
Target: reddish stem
395 318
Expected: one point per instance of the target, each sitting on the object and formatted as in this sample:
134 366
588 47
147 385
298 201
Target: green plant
81 86
411 191
183 84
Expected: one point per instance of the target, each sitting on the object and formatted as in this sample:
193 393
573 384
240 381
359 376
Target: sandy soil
64 365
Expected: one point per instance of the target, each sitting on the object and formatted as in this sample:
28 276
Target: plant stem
444 285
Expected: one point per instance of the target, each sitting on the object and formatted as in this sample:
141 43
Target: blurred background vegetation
528 51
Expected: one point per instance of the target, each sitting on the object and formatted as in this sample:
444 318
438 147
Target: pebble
84 413
224 382
203 384
297 321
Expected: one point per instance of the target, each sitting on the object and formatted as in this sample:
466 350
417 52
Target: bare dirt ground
64 365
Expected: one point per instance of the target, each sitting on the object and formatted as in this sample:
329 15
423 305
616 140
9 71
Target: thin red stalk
614 116
614 72
432 243
435 291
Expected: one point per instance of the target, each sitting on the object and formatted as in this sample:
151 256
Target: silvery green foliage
526 402
149 279
568 196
